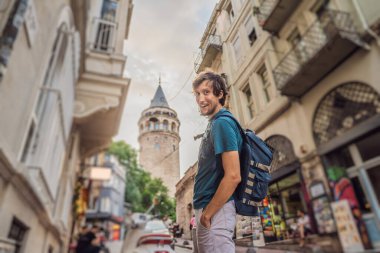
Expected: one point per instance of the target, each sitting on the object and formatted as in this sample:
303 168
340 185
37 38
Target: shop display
323 215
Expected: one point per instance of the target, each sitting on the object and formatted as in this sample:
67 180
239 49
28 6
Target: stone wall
184 198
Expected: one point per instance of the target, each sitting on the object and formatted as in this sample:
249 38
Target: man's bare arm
226 188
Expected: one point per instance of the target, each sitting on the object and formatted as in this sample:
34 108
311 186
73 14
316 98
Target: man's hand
205 221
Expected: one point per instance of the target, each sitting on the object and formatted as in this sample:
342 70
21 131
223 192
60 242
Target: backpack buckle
260 166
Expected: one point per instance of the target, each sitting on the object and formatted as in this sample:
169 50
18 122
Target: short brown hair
217 81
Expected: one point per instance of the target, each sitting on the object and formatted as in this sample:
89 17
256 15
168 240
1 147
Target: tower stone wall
159 141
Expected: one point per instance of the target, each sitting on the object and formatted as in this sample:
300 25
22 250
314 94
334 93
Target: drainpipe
364 22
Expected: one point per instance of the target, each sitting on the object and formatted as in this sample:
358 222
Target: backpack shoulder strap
242 132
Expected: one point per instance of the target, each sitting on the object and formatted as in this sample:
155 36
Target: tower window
173 127
154 124
173 147
157 146
165 125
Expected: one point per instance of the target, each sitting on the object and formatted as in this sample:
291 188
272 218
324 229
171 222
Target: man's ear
220 94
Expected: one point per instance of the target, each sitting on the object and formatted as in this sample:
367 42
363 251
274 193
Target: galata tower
159 141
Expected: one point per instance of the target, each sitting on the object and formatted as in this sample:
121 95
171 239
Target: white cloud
164 38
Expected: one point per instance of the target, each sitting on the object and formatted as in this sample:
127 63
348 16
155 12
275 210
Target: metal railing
7 245
265 10
331 23
212 40
103 35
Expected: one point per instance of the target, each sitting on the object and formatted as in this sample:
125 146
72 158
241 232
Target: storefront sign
317 190
347 230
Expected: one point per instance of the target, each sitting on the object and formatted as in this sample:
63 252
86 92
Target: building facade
184 200
54 104
303 75
106 190
159 141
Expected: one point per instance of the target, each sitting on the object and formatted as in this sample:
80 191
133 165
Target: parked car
156 227
155 243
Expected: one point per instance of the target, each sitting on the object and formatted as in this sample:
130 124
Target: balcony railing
324 45
7 246
272 14
206 55
103 35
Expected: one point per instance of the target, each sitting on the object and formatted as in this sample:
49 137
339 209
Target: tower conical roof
159 99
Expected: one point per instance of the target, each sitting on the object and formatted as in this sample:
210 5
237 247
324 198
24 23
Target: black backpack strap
242 132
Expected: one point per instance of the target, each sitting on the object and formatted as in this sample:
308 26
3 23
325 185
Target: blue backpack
255 159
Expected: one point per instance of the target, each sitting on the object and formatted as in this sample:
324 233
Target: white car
139 219
156 227
155 243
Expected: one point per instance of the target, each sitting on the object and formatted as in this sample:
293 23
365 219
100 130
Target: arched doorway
346 130
286 191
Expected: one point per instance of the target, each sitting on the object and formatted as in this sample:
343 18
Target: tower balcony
324 45
273 14
208 53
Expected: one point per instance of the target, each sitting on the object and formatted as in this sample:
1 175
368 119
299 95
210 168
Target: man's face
208 103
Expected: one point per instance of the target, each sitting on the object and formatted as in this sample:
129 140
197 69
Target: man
303 224
82 240
193 233
218 168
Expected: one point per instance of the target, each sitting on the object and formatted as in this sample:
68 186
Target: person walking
193 232
218 172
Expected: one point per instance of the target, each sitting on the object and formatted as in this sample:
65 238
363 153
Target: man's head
210 91
95 229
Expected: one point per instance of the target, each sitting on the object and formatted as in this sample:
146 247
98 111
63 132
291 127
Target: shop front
286 192
346 130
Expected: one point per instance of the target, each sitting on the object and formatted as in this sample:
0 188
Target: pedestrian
303 224
93 245
82 240
218 167
193 233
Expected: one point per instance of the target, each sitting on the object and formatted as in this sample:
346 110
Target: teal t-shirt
221 135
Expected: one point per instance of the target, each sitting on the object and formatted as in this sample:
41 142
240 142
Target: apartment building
106 188
62 93
304 76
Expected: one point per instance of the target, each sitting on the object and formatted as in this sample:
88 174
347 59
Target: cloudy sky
164 38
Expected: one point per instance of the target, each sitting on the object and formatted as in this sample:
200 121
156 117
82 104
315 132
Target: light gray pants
219 237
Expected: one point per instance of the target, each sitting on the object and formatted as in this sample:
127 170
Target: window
173 127
157 146
109 9
237 50
17 232
251 32
165 125
319 7
173 147
46 108
156 125
248 96
28 142
105 204
230 12
263 73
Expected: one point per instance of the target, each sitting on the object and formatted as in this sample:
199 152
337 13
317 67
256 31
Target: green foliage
141 188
